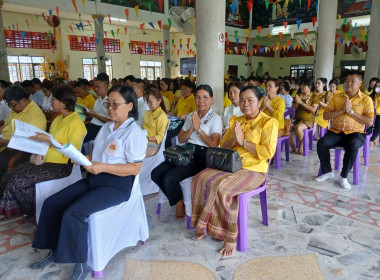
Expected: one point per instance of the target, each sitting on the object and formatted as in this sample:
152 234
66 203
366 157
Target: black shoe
80 271
44 262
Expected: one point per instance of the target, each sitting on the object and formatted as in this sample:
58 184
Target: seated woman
375 95
18 185
119 149
234 89
333 85
284 94
324 97
214 192
371 85
155 121
305 105
274 105
164 86
203 129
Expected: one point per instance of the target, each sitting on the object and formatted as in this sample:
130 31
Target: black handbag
180 155
223 159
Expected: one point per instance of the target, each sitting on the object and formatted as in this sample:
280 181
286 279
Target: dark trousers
6 155
376 129
63 221
173 133
351 144
92 131
167 176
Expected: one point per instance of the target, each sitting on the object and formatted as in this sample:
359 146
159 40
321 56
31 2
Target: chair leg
287 149
158 212
366 151
337 157
242 239
306 144
357 170
311 140
97 274
143 242
264 207
319 171
188 221
277 156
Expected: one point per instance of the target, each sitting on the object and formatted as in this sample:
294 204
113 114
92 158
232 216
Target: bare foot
180 210
372 143
228 249
300 152
200 236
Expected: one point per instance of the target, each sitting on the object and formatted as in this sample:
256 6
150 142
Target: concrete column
166 38
4 72
324 63
99 34
373 53
210 28
249 59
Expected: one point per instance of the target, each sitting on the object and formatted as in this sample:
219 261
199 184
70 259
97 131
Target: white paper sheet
73 153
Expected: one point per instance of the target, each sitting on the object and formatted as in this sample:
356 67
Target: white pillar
324 63
4 72
99 34
210 26
373 53
166 38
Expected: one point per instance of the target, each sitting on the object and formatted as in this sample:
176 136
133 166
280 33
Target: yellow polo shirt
87 101
70 129
167 103
226 102
278 105
304 115
156 122
324 97
32 114
170 96
361 104
262 131
185 105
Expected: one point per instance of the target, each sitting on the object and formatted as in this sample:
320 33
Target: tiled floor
342 227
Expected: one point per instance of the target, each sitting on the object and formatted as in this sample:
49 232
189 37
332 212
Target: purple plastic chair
307 138
242 239
188 219
322 132
283 141
366 145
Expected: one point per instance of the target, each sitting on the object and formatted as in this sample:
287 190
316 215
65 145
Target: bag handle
222 162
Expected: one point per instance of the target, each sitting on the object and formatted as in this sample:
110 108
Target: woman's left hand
298 99
95 168
41 137
239 134
196 121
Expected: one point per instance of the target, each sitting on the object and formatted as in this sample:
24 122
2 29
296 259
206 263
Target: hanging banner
127 13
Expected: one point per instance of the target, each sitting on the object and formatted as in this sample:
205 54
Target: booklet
21 141
81 110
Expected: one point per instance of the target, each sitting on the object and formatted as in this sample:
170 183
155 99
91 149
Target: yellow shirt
156 123
32 114
227 102
377 100
324 97
191 77
293 93
278 105
87 101
170 96
367 92
361 104
167 103
340 88
262 131
226 79
70 129
185 105
178 94
304 115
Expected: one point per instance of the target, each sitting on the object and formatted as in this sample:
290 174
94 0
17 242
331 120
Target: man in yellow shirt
350 112
25 110
84 97
191 77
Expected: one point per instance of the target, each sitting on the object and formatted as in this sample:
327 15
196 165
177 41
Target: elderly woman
119 150
18 185
202 129
215 193
234 89
324 98
305 105
273 105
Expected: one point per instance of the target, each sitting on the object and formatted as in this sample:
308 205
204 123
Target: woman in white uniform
119 150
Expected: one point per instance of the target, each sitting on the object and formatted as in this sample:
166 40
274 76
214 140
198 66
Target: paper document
71 152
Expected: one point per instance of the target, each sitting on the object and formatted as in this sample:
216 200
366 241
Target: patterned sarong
215 202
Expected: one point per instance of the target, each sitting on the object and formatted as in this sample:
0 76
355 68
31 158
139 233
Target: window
146 48
188 64
150 69
88 44
29 40
90 68
25 68
302 70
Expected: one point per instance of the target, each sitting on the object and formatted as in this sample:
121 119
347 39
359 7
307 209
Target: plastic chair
116 228
242 239
322 132
186 191
307 138
283 141
366 146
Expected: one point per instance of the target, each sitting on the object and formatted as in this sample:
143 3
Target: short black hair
189 84
66 95
15 93
307 82
255 90
166 81
83 82
129 77
27 83
114 79
4 84
334 81
103 77
355 72
285 85
139 82
206 88
129 96
36 81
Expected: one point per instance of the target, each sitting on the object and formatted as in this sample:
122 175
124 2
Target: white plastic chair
116 228
149 163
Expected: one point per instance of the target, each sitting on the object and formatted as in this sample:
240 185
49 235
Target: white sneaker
325 177
344 183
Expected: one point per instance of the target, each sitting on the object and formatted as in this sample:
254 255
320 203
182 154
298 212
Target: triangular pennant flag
51 12
285 24
258 37
180 47
280 35
341 40
71 29
127 13
345 21
159 24
305 30
27 23
188 46
43 16
314 20
137 10
288 43
292 34
353 39
113 34
170 22
166 42
247 32
17 27
172 42
129 45
237 40
83 3
227 42
339 18
233 8
308 4
269 36
160 4
249 5
316 8
177 52
236 33
180 41
125 30
175 2
57 10
142 27
195 44
278 44
336 36
109 18
246 39
89 23
175 46
151 24
259 30
267 4
188 40
149 4
299 23
121 44
236 50
22 34
75 5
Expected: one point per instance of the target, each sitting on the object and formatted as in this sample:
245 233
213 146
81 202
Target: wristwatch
199 131
351 112
242 144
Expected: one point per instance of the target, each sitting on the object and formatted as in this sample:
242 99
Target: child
155 120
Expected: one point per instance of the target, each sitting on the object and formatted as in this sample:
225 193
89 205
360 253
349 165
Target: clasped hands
347 106
195 121
238 135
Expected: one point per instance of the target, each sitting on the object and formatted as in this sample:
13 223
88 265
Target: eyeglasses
12 106
114 106
204 98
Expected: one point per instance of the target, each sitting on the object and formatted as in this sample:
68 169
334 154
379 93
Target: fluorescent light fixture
276 30
118 19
